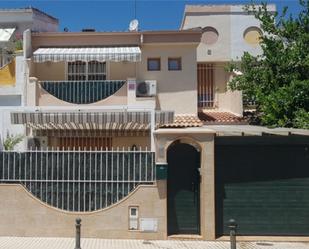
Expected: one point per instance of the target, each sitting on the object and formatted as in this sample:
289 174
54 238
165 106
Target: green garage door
263 183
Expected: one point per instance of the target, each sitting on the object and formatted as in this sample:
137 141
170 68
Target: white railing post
152 129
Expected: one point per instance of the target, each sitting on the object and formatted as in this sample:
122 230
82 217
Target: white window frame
86 69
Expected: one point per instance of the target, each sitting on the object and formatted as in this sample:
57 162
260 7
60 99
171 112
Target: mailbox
161 171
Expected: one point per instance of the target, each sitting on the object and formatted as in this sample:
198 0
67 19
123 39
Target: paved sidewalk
68 243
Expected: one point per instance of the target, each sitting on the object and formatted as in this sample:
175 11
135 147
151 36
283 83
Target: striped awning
91 120
132 54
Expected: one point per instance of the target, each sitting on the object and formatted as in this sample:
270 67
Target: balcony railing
82 92
80 181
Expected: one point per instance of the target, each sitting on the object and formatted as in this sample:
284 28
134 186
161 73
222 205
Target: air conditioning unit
147 88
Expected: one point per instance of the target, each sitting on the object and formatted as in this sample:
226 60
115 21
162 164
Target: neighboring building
113 137
13 22
228 32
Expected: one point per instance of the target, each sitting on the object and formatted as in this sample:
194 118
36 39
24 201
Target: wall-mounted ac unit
147 88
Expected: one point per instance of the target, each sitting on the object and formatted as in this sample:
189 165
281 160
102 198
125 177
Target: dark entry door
183 187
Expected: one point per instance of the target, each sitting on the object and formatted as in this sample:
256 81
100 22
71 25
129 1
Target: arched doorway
183 189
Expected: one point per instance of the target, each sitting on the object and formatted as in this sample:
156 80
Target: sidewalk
68 243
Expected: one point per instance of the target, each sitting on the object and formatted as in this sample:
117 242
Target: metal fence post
232 227
77 235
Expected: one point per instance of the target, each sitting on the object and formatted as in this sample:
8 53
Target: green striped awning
95 120
132 54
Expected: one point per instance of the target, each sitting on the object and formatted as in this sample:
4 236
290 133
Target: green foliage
278 79
11 141
18 45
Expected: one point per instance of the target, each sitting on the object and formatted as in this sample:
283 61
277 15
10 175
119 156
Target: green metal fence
78 180
82 92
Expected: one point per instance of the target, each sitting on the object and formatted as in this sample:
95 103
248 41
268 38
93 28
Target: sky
104 15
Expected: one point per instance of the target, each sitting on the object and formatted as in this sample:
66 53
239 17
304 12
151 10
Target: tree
278 79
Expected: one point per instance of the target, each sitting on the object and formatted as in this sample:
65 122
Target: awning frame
6 34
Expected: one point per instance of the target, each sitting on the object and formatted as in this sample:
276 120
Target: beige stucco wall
22 214
177 90
203 140
49 71
121 70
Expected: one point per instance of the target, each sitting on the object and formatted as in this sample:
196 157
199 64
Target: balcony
78 181
82 92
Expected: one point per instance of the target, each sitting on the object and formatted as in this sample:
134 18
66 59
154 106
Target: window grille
92 70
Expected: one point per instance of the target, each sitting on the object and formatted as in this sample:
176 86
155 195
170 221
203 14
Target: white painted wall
220 51
240 22
23 19
231 25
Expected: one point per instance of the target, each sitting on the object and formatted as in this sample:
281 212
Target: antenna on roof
134 23
134 9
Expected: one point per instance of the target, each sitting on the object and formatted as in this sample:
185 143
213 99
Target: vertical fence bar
36 169
122 172
146 165
101 178
62 189
8 156
106 178
68 182
117 172
14 166
79 179
128 165
84 206
57 181
140 164
73 182
41 183
95 180
90 182
52 177
19 166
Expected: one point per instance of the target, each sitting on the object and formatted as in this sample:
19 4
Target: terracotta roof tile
183 121
216 117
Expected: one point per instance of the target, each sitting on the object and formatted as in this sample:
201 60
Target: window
210 36
252 36
77 70
154 64
92 70
174 64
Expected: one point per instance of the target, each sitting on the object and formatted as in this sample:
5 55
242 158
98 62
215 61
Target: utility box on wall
161 171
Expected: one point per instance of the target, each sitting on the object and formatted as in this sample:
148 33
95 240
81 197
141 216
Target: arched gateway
183 189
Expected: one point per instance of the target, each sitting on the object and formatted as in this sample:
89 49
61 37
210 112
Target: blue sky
115 15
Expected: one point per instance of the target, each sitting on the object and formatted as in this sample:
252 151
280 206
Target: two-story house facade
113 136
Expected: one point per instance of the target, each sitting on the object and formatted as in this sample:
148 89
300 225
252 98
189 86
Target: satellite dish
133 25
